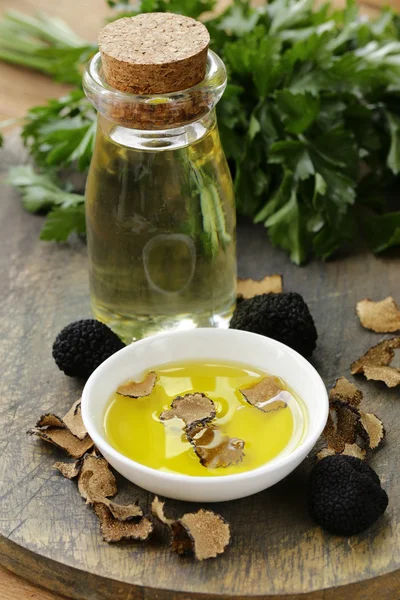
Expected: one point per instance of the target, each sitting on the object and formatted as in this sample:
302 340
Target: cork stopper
154 53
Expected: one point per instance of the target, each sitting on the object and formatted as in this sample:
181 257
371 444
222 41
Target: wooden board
15 588
50 537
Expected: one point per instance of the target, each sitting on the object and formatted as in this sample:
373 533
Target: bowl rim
271 466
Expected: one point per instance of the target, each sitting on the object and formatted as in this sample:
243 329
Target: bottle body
161 228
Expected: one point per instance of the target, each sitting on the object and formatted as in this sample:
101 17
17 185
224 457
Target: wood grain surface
48 534
13 588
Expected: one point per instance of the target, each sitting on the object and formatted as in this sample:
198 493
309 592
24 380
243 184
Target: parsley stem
50 29
25 60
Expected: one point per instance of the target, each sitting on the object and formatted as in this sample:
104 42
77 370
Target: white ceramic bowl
225 345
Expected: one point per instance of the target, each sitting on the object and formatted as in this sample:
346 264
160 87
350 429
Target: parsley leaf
61 132
41 192
298 111
61 222
309 121
393 159
382 231
294 155
286 229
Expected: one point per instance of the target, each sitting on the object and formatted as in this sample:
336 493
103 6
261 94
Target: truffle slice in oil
191 408
214 448
266 395
138 389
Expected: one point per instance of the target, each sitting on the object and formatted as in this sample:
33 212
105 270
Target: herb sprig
44 193
310 121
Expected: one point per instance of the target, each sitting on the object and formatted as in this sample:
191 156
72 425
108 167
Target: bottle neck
160 111
158 140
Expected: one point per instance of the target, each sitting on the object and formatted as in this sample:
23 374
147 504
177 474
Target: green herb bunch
310 121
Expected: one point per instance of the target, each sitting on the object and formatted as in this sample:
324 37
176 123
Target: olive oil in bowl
134 428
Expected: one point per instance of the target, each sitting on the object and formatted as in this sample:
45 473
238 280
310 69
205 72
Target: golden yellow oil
160 218
132 426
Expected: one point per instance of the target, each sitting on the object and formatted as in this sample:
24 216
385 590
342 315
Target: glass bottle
160 208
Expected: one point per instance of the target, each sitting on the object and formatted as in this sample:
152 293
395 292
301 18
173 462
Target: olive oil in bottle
161 232
160 204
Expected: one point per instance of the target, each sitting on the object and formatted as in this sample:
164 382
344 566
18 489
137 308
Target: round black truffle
83 345
282 317
345 495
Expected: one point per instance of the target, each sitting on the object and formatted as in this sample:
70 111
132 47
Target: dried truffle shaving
374 363
50 420
349 450
73 421
354 450
207 534
341 426
204 533
95 452
191 408
181 542
96 481
248 288
215 449
266 395
140 389
381 317
325 452
380 355
157 510
388 375
63 439
372 430
347 423
114 530
69 470
344 391
123 512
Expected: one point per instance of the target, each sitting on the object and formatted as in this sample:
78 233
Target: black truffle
83 345
282 317
345 495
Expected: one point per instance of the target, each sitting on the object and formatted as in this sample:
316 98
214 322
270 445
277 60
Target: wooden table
21 89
